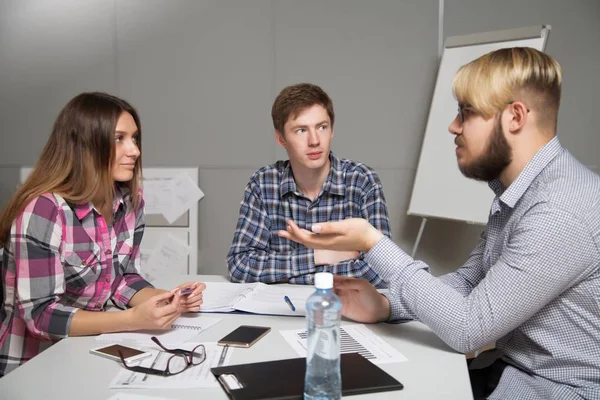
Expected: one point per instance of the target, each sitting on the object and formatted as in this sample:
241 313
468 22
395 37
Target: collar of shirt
515 191
334 183
83 209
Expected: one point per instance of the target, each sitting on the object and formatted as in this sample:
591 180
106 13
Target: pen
289 303
152 365
186 291
223 354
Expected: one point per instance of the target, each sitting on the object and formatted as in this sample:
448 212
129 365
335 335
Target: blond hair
525 74
76 161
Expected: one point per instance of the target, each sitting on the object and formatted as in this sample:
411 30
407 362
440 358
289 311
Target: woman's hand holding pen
162 309
191 296
157 312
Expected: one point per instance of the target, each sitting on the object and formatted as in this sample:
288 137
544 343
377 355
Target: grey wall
203 75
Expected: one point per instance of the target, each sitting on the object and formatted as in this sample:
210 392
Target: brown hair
493 80
76 161
294 99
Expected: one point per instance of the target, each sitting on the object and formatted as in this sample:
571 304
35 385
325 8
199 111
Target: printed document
193 377
356 338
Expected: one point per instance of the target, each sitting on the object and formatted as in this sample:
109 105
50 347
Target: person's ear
518 116
280 139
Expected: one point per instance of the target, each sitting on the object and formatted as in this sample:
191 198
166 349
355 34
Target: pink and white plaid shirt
62 257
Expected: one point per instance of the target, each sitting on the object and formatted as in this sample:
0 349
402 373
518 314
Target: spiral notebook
182 330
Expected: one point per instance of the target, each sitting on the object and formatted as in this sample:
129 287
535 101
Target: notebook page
182 330
221 296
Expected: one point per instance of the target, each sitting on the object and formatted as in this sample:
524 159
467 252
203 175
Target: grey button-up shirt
532 283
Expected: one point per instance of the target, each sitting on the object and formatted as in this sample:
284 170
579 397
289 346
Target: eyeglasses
176 364
468 107
461 111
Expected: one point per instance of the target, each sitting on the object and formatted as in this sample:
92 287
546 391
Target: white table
67 370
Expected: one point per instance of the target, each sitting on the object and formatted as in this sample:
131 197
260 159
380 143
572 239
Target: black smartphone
244 336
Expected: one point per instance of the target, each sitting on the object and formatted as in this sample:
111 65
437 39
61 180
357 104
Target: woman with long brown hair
71 235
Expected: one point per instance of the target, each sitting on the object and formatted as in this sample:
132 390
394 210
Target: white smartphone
129 353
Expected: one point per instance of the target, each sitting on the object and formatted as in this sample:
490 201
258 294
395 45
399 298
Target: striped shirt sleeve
467 277
538 272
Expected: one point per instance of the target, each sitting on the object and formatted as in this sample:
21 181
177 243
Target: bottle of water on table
323 314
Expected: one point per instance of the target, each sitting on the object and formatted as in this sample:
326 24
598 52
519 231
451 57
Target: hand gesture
349 234
360 300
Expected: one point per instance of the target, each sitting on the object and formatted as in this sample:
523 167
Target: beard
497 157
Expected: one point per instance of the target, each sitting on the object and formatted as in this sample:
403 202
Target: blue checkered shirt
532 284
271 198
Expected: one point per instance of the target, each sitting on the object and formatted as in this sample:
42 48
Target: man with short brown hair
313 186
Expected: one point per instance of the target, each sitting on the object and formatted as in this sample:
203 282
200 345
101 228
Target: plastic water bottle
323 313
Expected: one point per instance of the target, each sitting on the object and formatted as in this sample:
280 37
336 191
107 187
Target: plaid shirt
61 258
532 284
271 198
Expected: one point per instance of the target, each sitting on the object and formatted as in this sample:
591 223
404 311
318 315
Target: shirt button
107 252
108 279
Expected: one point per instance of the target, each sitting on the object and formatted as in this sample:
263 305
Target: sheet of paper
353 339
194 377
157 195
171 197
144 258
269 299
169 257
129 396
184 193
184 329
221 296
